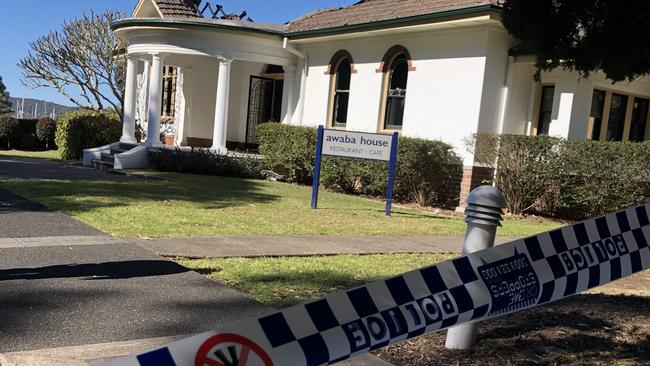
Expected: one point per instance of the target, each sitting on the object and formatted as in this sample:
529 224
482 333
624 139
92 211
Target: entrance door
264 103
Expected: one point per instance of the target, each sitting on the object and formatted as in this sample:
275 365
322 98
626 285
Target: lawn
609 326
280 282
192 205
47 154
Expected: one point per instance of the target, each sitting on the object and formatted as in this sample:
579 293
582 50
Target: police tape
493 282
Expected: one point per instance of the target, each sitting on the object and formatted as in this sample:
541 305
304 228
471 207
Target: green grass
48 154
191 205
280 282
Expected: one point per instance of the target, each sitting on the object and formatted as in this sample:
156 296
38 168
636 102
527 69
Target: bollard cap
484 206
487 196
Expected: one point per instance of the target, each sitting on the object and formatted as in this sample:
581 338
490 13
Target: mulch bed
592 329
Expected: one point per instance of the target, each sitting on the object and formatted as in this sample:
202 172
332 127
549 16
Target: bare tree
80 61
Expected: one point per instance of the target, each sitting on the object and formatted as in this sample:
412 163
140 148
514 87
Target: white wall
202 102
518 113
444 93
238 104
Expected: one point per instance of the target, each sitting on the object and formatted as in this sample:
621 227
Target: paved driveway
24 168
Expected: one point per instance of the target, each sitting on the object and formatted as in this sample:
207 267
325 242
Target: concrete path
254 246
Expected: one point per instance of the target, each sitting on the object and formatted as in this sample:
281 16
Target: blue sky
23 21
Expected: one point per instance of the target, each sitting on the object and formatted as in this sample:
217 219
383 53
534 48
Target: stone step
125 146
117 150
102 165
108 157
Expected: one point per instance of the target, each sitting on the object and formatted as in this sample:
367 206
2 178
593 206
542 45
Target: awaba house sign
367 146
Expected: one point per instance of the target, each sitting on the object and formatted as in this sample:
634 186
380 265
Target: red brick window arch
396 66
340 69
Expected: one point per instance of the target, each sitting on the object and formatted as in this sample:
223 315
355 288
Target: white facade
462 79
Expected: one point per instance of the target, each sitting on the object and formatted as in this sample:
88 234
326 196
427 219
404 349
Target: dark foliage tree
5 103
584 35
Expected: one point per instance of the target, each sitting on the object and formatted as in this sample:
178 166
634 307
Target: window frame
609 92
385 68
333 68
537 112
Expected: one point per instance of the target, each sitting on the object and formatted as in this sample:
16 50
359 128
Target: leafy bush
45 131
203 161
27 135
9 132
567 178
425 172
289 150
79 130
602 177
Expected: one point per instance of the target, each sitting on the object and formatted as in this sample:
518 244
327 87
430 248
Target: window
169 92
616 121
639 120
342 93
341 68
396 93
396 66
596 115
545 110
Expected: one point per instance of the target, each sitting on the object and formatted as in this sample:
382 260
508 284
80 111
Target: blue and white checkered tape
493 282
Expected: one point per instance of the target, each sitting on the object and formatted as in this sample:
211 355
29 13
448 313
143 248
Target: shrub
9 132
566 178
27 135
602 177
527 168
45 131
79 130
203 161
425 172
288 149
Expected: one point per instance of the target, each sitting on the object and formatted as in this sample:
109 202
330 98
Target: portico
214 79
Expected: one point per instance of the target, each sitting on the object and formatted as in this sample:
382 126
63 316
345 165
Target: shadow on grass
394 213
85 195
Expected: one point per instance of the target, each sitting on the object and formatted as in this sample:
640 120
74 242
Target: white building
434 69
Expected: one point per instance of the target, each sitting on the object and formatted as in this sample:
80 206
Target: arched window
395 66
340 68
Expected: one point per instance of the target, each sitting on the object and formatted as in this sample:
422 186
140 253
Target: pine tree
5 103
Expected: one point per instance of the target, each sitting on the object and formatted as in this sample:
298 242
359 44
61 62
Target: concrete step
125 146
117 150
108 157
102 165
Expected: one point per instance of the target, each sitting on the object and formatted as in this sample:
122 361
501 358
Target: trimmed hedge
79 130
45 131
203 161
9 132
566 178
427 173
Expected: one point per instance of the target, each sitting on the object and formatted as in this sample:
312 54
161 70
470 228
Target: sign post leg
316 180
391 173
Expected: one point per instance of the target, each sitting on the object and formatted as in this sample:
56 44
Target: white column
155 99
130 91
288 94
300 103
221 108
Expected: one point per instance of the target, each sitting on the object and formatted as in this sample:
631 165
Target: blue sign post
356 145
